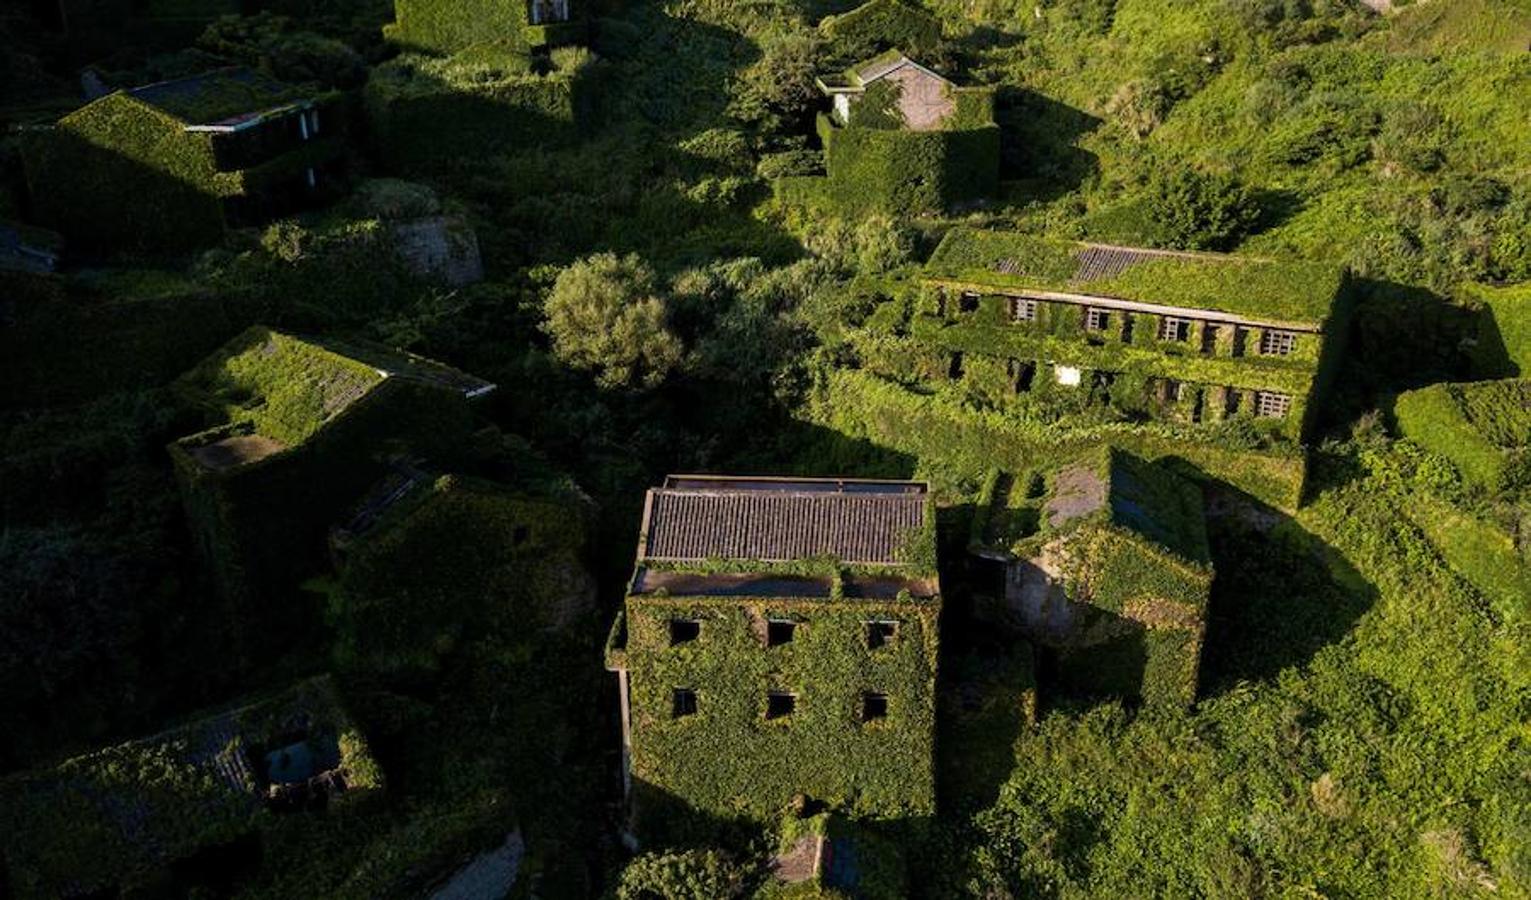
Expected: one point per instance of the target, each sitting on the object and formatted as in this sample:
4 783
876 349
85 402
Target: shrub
686 875
605 317
1201 210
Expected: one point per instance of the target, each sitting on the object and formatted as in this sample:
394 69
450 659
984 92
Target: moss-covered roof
223 96
117 815
283 389
1279 292
1116 488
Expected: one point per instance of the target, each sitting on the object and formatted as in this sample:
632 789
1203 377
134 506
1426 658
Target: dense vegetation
651 306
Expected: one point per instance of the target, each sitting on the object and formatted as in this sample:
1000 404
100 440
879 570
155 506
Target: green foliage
1283 291
119 816
485 101
881 25
605 317
467 562
278 46
118 174
1484 428
681 875
904 172
974 442
1200 210
1503 345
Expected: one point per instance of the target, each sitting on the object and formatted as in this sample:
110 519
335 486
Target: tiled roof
777 521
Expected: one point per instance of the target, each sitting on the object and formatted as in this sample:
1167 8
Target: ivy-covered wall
447 26
1128 348
729 760
121 818
905 172
463 560
881 25
1503 344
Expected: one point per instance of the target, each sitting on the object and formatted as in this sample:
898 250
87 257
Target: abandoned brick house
300 428
917 98
778 641
900 137
1189 337
167 167
185 812
1111 575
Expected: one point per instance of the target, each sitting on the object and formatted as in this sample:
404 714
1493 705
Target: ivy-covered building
903 139
1189 337
1112 575
779 641
427 563
168 166
300 428
187 811
446 27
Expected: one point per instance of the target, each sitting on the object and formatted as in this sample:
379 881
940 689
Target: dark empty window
1209 334
881 634
779 631
1096 319
874 706
684 631
683 702
954 370
520 535
968 302
780 704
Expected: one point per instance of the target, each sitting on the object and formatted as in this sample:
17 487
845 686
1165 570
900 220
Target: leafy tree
605 317
1200 210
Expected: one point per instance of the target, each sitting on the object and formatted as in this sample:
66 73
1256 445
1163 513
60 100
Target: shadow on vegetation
1491 355
1038 142
1280 596
1277 206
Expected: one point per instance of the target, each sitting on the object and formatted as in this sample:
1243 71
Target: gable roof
222 99
698 518
857 77
1134 495
1294 293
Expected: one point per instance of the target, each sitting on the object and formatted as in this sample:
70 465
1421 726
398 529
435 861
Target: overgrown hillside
1364 727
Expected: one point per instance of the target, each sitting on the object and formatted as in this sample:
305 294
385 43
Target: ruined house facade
778 641
899 137
166 167
1114 581
1189 337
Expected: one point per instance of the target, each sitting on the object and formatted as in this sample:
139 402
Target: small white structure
1067 375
